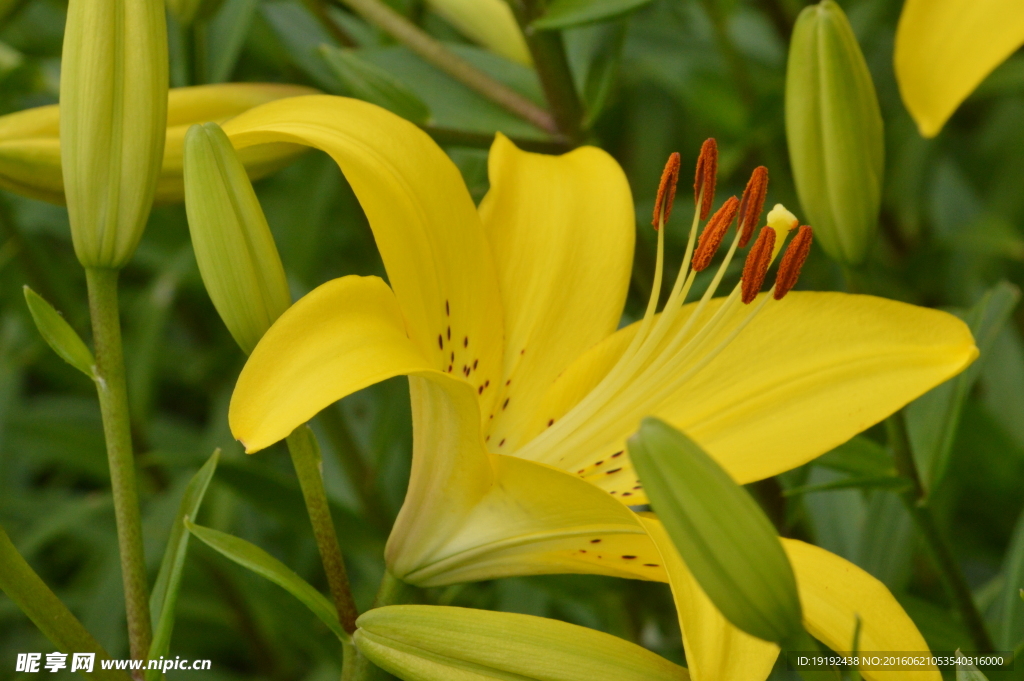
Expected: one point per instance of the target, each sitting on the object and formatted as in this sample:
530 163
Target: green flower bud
438 643
235 250
721 533
835 134
113 92
30 139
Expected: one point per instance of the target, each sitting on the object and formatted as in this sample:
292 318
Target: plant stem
917 505
113 396
552 65
391 592
305 453
433 51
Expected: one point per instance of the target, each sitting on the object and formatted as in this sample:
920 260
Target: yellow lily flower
522 391
30 139
945 48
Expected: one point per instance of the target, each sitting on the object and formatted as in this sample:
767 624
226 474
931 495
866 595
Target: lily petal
343 336
945 48
471 515
562 229
834 592
810 372
715 649
427 228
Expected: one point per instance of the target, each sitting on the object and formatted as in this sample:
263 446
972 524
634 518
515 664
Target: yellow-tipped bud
235 250
113 91
835 133
488 22
30 140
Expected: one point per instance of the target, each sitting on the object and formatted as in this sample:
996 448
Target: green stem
552 65
113 395
308 467
28 591
391 592
917 505
433 51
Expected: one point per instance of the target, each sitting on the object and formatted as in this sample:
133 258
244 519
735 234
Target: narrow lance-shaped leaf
262 563
368 81
566 13
168 580
439 643
933 418
721 533
23 586
1009 629
58 334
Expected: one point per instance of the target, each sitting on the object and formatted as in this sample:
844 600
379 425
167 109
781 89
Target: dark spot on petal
502 442
627 494
595 541
449 368
614 470
583 550
508 382
465 342
447 309
551 422
505 404
480 390
639 487
580 471
487 439
475 362
617 455
523 351
599 462
449 333
651 565
453 357
440 341
487 383
629 558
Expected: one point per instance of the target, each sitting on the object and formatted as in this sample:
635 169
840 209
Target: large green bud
113 97
835 133
237 256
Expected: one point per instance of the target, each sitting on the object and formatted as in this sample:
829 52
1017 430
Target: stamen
756 267
666 191
711 237
793 259
752 203
704 179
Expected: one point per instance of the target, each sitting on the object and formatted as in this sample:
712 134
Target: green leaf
566 13
372 83
885 482
23 586
721 533
603 71
968 672
1010 622
168 580
859 456
254 558
439 643
933 418
58 334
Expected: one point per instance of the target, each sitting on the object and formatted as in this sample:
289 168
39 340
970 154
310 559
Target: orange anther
705 177
792 260
666 189
711 237
756 266
752 203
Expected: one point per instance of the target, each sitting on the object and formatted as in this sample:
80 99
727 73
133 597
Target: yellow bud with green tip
439 643
30 139
237 257
113 94
835 133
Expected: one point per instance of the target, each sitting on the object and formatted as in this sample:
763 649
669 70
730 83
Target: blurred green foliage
656 80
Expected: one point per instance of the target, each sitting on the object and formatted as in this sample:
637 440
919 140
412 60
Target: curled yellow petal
343 336
562 229
834 593
945 48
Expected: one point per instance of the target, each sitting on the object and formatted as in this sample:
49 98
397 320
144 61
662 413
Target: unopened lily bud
439 643
720 532
835 133
237 257
113 93
30 140
488 22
